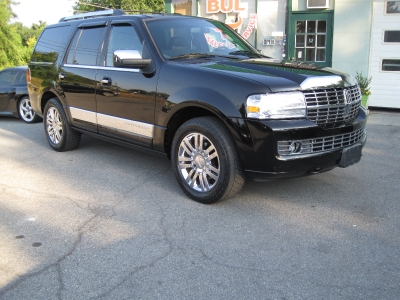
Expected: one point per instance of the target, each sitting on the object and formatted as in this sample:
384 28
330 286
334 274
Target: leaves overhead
127 5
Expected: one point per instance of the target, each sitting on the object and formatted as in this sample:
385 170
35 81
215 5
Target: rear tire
205 160
59 134
26 112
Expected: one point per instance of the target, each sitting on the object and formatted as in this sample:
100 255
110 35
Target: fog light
295 147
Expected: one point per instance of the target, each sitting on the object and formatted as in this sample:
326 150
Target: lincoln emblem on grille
347 101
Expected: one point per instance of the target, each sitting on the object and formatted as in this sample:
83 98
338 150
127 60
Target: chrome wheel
25 110
54 125
198 162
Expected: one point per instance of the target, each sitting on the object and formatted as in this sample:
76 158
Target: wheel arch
190 110
46 96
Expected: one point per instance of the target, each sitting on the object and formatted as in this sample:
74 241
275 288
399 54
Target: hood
283 76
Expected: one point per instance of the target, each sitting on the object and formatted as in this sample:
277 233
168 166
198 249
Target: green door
310 38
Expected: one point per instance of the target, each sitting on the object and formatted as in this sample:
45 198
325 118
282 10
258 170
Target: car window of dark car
85 45
21 78
51 44
122 37
7 77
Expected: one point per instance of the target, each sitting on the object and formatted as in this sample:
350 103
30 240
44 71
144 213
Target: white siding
385 86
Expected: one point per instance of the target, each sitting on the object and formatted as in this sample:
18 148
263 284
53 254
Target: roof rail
94 14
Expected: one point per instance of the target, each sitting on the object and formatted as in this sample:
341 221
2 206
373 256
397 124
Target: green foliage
11 49
16 40
27 33
127 5
363 82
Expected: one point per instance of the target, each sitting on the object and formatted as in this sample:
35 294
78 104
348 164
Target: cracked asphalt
107 222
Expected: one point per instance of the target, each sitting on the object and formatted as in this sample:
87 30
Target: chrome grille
333 107
319 145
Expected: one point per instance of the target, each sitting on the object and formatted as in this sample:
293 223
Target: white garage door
385 55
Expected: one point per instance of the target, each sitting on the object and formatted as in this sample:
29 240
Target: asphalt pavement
107 222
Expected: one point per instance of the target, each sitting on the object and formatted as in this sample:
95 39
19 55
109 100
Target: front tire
26 112
59 134
205 160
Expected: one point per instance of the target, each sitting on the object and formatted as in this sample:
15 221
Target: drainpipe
256 33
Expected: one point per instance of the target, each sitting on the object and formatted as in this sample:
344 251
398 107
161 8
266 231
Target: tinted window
85 46
51 44
122 38
7 77
21 78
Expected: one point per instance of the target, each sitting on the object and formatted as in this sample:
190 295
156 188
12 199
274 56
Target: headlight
276 106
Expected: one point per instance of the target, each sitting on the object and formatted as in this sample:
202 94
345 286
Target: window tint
122 38
85 45
51 44
7 77
391 36
21 78
391 65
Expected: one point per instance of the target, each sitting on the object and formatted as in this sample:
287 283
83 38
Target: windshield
181 38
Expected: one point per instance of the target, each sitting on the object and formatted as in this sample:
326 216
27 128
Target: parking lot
107 222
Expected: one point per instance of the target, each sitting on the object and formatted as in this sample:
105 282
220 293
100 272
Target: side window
7 77
85 46
122 37
51 44
21 78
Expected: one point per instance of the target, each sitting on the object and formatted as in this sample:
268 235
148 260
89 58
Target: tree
26 33
127 5
12 52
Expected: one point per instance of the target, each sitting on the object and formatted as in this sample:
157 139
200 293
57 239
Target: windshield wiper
242 52
192 55
201 55
248 52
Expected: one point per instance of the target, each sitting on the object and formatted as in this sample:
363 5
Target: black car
193 90
14 97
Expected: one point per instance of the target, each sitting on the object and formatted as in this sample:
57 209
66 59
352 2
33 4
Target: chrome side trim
128 126
83 115
102 68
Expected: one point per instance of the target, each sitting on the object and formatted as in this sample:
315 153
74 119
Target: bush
364 82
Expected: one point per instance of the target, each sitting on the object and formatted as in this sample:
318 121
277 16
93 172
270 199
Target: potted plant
364 82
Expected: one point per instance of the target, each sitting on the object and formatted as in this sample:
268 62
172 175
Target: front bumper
260 147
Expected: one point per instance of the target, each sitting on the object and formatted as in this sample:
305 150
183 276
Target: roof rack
94 14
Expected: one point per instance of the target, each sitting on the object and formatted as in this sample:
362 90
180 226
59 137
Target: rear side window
20 79
51 44
7 77
85 45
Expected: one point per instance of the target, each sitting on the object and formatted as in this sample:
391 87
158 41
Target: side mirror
130 59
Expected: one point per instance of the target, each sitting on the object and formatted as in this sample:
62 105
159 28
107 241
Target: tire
25 111
205 160
59 134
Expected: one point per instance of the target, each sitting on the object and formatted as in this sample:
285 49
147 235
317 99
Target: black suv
193 90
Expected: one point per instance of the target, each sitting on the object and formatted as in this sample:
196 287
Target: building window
393 7
391 36
391 64
183 7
